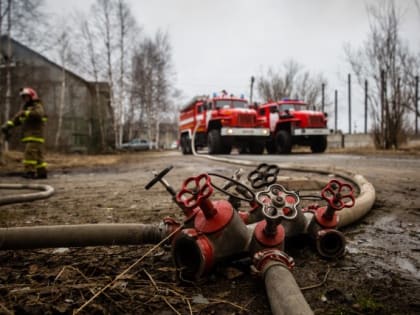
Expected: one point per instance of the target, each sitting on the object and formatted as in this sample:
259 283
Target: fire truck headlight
230 131
265 132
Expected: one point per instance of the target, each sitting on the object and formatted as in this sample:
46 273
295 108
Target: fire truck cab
220 123
291 122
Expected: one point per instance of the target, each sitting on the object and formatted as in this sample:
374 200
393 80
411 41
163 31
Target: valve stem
168 187
270 229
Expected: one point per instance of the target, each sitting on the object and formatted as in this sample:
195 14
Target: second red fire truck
291 122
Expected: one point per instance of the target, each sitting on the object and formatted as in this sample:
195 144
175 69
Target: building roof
4 39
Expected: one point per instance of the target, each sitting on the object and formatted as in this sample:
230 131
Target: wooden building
86 112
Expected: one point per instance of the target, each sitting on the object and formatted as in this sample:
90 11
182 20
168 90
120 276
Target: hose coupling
265 256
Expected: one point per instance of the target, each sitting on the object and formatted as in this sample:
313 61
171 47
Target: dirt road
379 275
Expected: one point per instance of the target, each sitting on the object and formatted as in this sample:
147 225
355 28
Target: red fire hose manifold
215 231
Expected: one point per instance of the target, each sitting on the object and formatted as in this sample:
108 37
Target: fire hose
54 236
45 191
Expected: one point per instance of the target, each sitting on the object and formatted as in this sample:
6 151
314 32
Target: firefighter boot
41 173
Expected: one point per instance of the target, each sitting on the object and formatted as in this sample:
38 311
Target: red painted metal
275 240
218 221
336 193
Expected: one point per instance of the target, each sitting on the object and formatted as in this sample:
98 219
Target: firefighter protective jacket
32 119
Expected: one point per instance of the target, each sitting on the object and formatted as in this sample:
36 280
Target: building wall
80 125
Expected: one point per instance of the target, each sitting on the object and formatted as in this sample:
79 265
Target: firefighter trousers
33 158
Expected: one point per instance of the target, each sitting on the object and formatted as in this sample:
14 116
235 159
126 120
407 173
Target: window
292 107
231 104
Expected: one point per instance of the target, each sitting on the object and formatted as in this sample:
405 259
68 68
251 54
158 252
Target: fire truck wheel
318 144
283 142
215 142
186 145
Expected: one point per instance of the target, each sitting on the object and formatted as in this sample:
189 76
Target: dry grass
409 150
61 161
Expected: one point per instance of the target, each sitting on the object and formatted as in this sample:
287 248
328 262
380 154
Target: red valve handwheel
191 196
333 194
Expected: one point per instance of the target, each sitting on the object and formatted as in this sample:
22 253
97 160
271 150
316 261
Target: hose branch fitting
338 196
278 205
217 233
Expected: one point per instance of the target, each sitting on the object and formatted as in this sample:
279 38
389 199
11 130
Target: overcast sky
219 44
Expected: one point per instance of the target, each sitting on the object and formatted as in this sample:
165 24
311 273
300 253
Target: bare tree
65 54
113 32
152 85
89 41
390 67
103 25
291 82
127 27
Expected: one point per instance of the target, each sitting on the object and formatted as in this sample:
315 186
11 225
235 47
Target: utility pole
323 97
383 93
335 111
349 92
366 104
252 89
416 100
8 68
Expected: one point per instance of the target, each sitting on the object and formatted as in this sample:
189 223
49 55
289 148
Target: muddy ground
380 273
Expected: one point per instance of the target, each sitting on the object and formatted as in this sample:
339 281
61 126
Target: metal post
349 92
335 111
323 97
252 89
382 105
366 104
416 100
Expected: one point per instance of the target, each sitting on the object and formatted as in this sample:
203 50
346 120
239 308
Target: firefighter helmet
30 92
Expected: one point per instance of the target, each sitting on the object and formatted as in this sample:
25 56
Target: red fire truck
221 122
291 122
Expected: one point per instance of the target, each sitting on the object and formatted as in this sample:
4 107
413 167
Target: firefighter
32 118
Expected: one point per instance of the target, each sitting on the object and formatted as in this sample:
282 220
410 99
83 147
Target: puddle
406 265
384 220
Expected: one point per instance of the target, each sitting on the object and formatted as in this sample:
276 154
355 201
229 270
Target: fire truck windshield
292 107
231 104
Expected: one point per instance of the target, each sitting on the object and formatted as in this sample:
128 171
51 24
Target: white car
138 145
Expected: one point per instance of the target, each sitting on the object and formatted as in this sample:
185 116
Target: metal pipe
196 250
51 236
349 92
330 243
45 191
335 110
366 105
416 102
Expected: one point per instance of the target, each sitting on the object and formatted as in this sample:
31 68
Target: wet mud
380 273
